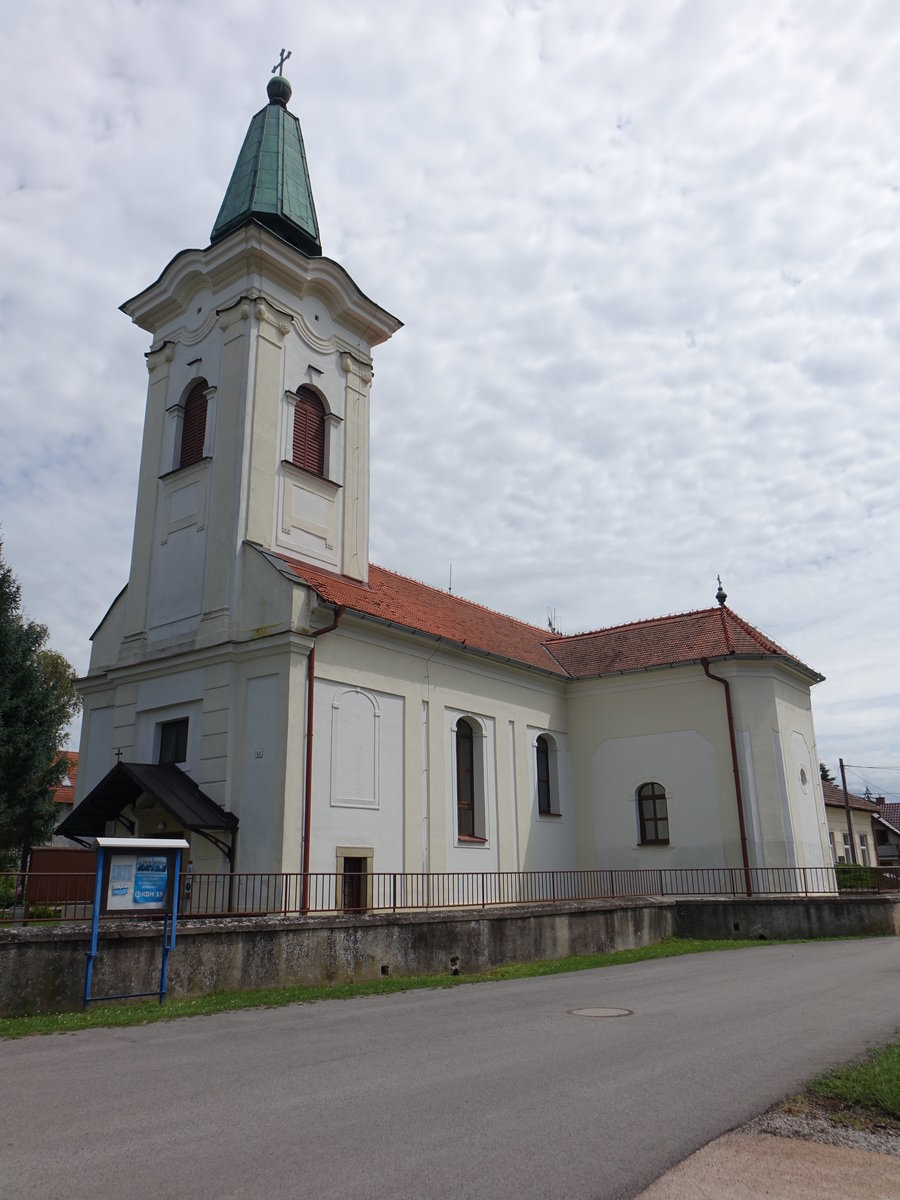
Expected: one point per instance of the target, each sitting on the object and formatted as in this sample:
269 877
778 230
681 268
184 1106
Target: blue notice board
138 882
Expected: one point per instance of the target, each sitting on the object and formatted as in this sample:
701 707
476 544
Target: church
263 689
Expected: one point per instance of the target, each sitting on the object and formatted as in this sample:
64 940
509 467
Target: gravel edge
813 1124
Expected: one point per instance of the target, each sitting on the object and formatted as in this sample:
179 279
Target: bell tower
257 419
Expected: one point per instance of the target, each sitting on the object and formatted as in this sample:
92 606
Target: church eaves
270 183
679 640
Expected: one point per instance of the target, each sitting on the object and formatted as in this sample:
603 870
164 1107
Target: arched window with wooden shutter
193 425
468 738
308 449
544 790
653 814
465 780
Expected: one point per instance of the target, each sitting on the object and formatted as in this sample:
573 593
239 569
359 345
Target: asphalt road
491 1091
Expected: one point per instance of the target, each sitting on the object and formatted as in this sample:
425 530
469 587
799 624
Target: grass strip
112 1015
872 1085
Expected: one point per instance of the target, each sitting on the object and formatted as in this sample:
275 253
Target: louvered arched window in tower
308 448
193 425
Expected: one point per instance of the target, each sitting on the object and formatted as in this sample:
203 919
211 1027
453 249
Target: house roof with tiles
406 604
833 795
890 813
409 605
712 633
65 792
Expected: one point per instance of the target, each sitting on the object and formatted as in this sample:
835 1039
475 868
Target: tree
827 776
37 701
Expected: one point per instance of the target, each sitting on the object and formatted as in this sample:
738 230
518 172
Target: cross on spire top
278 69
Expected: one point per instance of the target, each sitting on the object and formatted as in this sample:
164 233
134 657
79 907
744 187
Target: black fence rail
68 896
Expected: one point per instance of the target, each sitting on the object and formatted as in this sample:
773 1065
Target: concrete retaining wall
42 968
788 917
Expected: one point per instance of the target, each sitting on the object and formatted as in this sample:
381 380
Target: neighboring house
864 819
263 688
887 832
64 796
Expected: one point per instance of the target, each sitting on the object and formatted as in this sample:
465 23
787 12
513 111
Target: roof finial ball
720 594
278 88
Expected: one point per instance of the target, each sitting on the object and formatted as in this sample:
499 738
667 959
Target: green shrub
9 890
852 878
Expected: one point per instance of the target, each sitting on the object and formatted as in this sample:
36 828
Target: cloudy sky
647 259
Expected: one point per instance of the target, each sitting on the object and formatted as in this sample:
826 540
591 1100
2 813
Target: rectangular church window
173 737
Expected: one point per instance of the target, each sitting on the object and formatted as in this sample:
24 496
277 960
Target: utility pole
848 812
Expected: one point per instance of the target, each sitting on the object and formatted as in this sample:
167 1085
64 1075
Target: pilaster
355 548
158 365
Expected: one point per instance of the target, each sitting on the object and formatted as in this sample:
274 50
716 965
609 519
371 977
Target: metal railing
41 896
69 896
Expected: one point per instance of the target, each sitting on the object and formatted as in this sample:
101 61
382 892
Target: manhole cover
600 1012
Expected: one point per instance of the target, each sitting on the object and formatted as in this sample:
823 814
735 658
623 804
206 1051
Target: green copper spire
270 183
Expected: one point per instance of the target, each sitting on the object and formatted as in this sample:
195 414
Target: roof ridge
757 634
726 633
495 612
571 637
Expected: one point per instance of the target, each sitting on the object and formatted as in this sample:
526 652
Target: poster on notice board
138 882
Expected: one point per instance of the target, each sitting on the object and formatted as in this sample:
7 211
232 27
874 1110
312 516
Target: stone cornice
252 254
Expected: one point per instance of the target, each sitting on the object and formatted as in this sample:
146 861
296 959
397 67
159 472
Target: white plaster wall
106 639
437 685
268 322
668 727
358 774
95 758
261 810
551 839
179 553
773 711
463 855
684 763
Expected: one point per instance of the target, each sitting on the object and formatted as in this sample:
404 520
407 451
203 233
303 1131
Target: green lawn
871 1086
145 1011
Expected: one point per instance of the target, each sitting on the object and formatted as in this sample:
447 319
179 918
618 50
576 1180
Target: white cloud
647 259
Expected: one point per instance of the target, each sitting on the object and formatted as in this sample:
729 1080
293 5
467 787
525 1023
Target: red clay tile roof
415 606
63 794
666 641
891 813
834 798
661 642
833 795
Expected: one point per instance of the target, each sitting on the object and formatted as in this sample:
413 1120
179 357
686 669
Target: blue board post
95 928
136 877
169 930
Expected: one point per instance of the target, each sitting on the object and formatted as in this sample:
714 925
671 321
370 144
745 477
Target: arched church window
546 775
308 449
653 814
465 779
193 425
468 770
544 790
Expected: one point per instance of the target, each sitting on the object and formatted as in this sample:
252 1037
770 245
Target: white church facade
259 686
